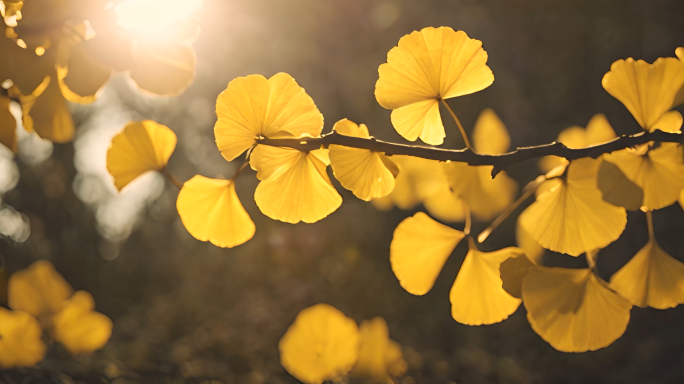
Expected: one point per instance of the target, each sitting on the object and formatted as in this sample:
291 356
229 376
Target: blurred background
187 311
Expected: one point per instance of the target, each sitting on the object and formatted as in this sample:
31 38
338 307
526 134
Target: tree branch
500 162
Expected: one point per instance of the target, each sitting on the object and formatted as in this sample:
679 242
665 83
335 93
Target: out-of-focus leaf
379 357
78 327
38 290
20 339
8 125
163 68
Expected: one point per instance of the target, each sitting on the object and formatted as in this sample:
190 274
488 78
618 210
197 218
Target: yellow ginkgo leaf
21 344
442 203
8 125
253 107
571 216
211 211
477 296
426 66
658 171
617 189
366 173
25 68
418 251
669 122
526 242
598 131
141 147
49 112
573 309
163 68
490 135
513 270
38 290
83 77
485 196
647 90
78 327
379 357
322 344
294 185
652 278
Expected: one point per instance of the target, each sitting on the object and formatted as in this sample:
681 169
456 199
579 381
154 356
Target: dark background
186 309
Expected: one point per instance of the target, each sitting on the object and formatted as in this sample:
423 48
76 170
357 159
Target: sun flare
147 17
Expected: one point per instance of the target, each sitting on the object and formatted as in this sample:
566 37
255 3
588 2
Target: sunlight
147 17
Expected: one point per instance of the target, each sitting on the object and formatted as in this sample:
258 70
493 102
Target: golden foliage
571 216
368 174
652 278
20 339
420 247
477 296
647 90
426 66
38 290
140 147
211 211
253 107
294 185
379 357
322 344
78 327
573 309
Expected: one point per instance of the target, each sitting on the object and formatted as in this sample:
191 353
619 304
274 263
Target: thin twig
499 162
460 127
172 179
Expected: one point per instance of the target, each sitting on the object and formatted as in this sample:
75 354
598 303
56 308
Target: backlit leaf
294 185
368 174
652 278
83 77
513 270
38 290
211 211
571 216
379 357
50 114
418 251
20 339
617 189
490 136
573 309
426 66
527 243
322 344
659 172
78 327
669 122
141 147
163 68
647 90
8 125
253 107
477 296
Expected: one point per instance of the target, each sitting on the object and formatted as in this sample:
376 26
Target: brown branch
500 162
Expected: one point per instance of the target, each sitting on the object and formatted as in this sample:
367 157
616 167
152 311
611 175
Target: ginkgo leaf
294 185
490 135
669 122
573 309
659 172
527 243
322 344
652 278
21 344
366 173
485 196
253 107
513 270
433 64
8 125
617 189
647 90
141 147
163 68
38 290
25 69
211 211
78 327
49 112
598 131
418 251
379 357
83 77
443 204
571 216
477 296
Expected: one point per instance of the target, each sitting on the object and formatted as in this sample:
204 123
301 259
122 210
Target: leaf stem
468 219
172 179
530 188
460 127
649 222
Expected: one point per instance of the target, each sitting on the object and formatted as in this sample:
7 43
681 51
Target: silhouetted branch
500 162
